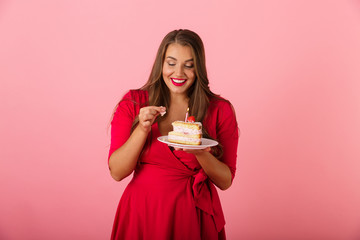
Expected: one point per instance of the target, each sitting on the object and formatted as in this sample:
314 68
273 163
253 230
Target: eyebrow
176 59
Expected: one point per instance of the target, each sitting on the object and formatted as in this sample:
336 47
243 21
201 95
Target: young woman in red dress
172 193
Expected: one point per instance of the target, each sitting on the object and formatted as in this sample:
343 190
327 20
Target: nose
179 71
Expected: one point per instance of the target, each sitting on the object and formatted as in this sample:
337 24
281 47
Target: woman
172 193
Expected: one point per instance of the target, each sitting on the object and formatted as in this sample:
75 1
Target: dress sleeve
228 135
121 123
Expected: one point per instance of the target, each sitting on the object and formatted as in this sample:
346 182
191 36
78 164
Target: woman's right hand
123 161
147 116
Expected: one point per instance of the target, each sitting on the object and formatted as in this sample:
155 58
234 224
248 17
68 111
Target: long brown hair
199 93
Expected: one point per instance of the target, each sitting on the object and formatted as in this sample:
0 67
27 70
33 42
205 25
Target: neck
178 106
180 99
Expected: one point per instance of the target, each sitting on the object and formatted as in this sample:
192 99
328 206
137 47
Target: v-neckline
177 159
158 134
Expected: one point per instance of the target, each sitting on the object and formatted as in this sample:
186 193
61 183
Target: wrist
142 131
201 153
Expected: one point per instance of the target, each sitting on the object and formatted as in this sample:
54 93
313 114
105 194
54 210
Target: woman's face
178 68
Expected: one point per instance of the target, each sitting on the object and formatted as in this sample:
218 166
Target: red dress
170 196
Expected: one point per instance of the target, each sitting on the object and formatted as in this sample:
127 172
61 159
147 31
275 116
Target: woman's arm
122 162
221 171
217 171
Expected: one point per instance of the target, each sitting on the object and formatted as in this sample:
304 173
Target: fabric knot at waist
204 192
207 199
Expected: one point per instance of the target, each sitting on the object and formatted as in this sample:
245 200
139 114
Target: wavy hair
199 93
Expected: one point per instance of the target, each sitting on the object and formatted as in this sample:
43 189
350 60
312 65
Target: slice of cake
189 133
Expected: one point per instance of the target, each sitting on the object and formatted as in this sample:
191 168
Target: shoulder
132 101
221 118
136 97
222 112
135 94
221 105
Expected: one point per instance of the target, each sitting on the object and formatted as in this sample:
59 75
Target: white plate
205 142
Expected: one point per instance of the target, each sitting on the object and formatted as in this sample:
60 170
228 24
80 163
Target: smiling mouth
178 81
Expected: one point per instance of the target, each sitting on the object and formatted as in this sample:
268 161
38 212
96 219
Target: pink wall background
290 68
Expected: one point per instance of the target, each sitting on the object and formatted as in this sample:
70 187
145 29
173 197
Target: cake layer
176 137
180 134
190 125
187 128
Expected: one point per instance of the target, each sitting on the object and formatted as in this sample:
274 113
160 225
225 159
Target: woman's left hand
217 171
